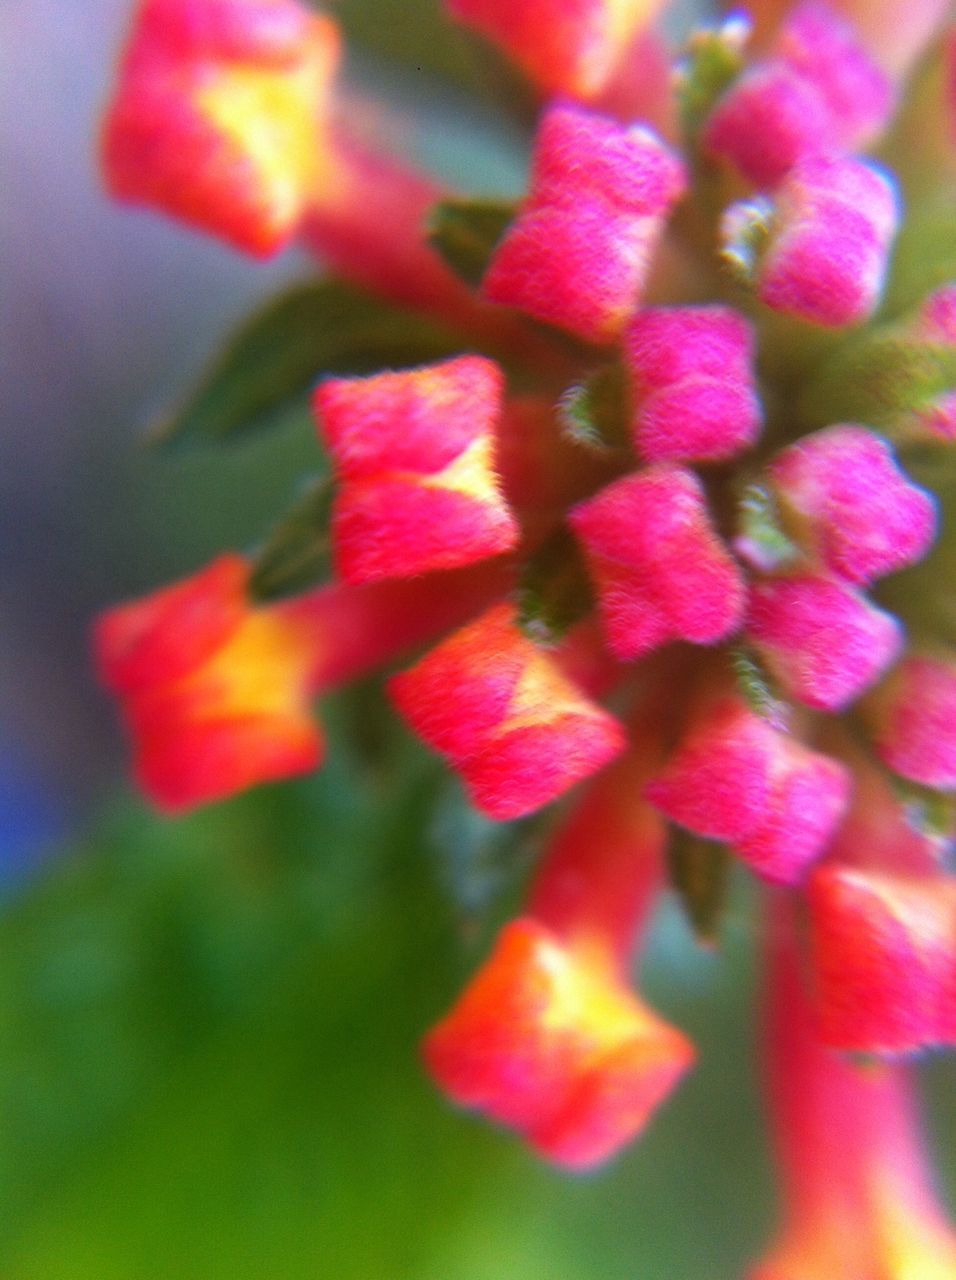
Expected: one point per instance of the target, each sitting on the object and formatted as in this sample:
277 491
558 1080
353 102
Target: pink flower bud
661 571
885 959
738 779
577 255
818 91
844 496
415 455
914 721
835 219
219 117
549 1041
693 387
505 716
825 642
571 48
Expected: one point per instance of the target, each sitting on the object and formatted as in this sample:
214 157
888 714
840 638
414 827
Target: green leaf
297 552
466 233
554 591
760 529
699 874
275 356
756 686
594 413
714 59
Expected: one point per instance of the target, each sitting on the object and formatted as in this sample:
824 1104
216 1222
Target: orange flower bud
219 115
505 716
549 1041
215 694
415 456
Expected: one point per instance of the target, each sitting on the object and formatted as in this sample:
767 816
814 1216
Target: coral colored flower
825 642
661 571
415 457
548 1041
219 115
818 91
580 249
913 717
505 717
215 694
737 778
829 239
844 496
692 383
885 959
567 46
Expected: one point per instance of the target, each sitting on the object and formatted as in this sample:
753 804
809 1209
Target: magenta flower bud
829 240
737 779
579 252
825 642
692 382
660 569
818 91
913 717
844 497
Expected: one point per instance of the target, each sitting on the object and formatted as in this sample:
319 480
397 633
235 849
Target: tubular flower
502 713
664 542
415 455
219 116
548 1039
570 47
580 250
858 1200
817 91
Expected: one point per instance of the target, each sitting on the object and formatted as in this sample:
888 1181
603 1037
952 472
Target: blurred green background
209 1027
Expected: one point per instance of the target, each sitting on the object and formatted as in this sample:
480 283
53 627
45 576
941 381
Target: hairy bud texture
644 483
415 457
581 247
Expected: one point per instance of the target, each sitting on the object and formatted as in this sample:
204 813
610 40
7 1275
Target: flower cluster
641 520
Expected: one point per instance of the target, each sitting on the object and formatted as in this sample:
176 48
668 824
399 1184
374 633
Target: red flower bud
830 237
843 494
818 91
578 254
692 380
219 115
215 694
549 1041
825 642
415 455
738 779
566 46
914 721
505 717
885 959
661 571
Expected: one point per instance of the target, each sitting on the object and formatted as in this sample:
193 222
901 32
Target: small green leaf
761 535
296 553
756 686
931 813
466 232
594 413
699 873
277 354
714 59
554 591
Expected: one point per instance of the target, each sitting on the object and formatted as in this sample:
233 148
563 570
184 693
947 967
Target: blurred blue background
208 1028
